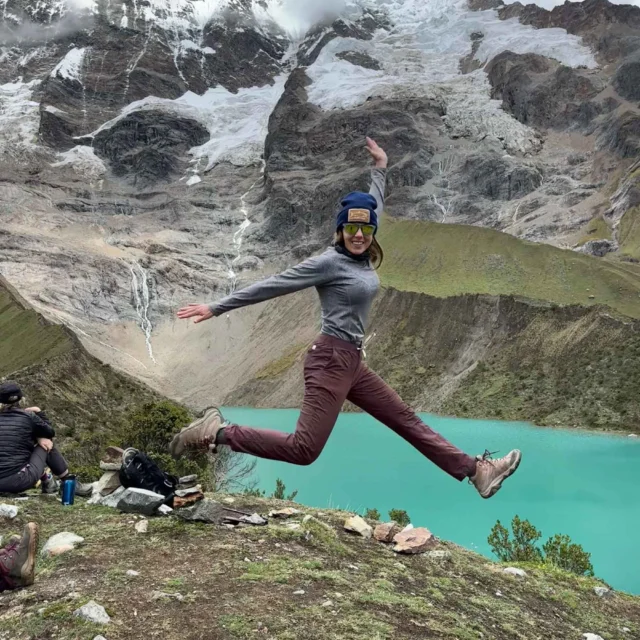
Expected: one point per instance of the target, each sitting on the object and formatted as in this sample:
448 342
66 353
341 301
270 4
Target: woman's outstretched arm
378 174
313 272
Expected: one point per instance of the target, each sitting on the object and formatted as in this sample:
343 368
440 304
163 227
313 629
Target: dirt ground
206 582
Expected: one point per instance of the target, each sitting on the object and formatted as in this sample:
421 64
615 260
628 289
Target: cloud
33 33
296 17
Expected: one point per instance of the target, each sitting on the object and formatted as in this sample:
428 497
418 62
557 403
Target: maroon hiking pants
334 372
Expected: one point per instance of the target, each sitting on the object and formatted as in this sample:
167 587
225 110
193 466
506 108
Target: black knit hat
10 392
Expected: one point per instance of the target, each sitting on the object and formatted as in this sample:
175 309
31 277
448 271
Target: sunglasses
352 229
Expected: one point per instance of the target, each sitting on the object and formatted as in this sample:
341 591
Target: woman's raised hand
198 311
377 153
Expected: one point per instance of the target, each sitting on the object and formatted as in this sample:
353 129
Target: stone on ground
139 501
108 483
61 543
93 612
415 540
357 524
386 532
602 591
206 510
8 511
591 636
142 526
284 513
514 571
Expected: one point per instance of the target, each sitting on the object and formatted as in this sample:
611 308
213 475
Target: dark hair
375 250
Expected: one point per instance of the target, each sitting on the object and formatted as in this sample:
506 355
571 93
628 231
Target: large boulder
139 501
627 80
413 541
146 147
541 92
357 524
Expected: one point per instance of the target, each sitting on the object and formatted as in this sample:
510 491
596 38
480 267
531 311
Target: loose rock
164 510
180 502
356 524
108 501
228 500
415 540
300 592
327 603
284 513
139 501
161 595
61 543
8 511
133 573
107 484
514 571
99 638
592 636
601 592
206 510
142 526
93 612
183 493
386 532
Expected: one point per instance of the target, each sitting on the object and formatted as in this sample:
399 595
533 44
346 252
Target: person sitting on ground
27 449
18 559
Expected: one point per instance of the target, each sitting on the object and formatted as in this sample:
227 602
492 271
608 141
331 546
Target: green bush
400 516
523 546
150 429
280 492
559 550
372 514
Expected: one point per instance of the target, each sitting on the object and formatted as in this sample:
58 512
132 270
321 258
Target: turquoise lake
584 485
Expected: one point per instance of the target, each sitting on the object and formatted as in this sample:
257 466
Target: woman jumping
334 370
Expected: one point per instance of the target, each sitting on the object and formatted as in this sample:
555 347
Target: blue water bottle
68 490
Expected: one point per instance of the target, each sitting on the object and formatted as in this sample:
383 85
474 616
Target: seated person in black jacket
26 447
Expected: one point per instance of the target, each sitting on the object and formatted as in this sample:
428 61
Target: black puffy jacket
19 431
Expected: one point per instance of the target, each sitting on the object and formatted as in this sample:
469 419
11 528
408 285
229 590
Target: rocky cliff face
153 153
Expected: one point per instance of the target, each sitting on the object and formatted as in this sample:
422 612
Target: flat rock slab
415 540
288 512
205 510
61 543
514 571
139 501
386 532
358 525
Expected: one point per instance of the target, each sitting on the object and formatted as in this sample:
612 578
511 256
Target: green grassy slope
445 260
86 399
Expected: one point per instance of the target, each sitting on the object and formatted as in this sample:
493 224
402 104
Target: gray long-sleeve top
346 286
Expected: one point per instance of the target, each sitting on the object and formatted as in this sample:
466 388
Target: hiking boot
200 435
83 489
48 484
490 474
18 558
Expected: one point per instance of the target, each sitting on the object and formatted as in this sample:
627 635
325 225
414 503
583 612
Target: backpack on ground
141 472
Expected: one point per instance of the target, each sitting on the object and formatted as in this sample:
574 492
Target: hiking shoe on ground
490 474
200 435
48 484
84 489
18 558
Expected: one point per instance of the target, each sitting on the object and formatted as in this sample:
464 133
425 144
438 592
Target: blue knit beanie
358 207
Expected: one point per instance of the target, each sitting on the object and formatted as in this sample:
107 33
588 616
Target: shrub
372 514
400 516
559 550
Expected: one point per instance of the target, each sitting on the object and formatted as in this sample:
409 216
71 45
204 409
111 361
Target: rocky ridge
157 154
